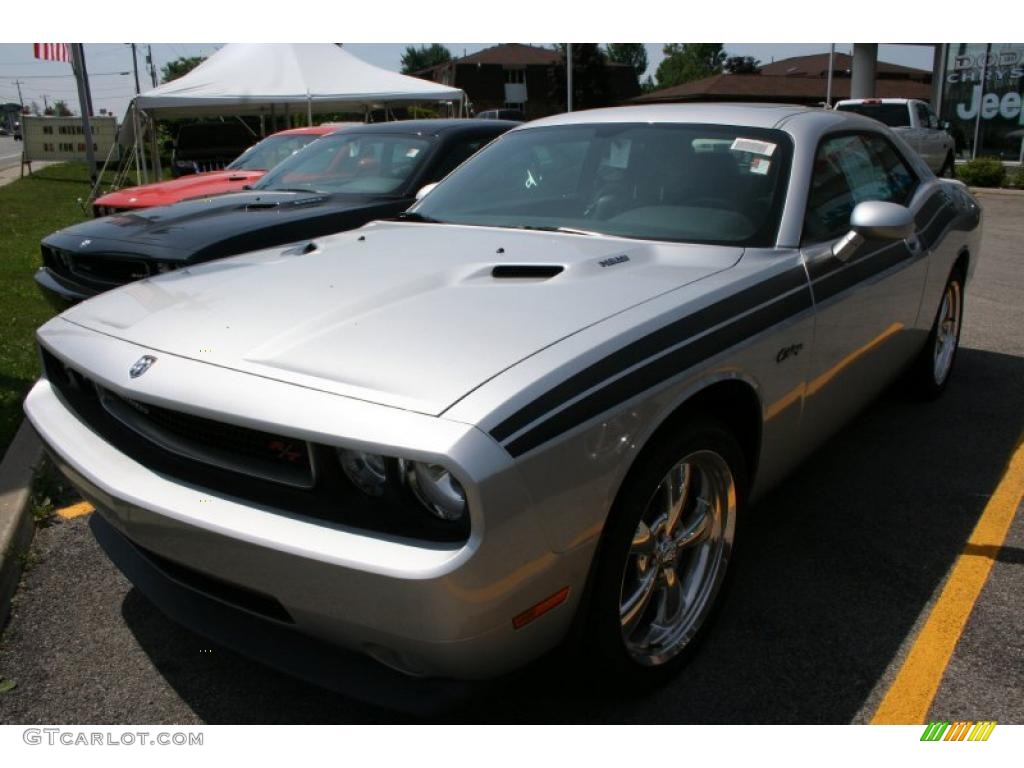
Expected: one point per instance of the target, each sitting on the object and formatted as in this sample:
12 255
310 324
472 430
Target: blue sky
112 84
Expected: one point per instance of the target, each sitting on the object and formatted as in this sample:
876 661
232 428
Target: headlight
436 489
433 486
367 471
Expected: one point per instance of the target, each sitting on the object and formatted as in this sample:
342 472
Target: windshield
893 115
677 182
350 163
271 151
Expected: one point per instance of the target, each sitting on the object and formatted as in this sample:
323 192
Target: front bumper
272 643
59 291
426 610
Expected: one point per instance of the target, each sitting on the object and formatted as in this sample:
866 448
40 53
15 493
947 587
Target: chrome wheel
677 558
947 332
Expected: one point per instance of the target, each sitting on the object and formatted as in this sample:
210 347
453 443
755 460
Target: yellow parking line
910 697
75 510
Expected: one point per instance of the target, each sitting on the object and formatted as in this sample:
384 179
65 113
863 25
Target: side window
848 170
455 156
830 197
900 180
933 121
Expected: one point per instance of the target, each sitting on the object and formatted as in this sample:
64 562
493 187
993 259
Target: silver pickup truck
916 124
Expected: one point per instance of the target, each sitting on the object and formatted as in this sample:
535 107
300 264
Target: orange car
247 168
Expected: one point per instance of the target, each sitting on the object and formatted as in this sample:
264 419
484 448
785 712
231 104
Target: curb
996 191
16 525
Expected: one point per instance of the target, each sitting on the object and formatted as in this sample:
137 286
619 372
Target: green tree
589 77
60 108
741 65
684 62
172 70
634 54
423 57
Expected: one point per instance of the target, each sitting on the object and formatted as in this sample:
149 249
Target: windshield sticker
620 154
760 165
754 146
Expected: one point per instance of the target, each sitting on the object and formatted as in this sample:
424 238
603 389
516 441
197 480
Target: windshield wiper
289 189
417 217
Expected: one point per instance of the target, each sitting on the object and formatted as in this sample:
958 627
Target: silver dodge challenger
533 410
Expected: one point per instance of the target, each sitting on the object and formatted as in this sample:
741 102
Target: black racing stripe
863 269
823 266
930 208
931 234
661 369
647 346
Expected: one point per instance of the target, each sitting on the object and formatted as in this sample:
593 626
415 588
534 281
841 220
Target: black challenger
344 180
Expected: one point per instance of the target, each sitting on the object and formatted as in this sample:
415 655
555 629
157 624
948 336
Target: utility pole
831 66
46 103
568 77
20 100
84 100
157 169
140 156
152 66
135 68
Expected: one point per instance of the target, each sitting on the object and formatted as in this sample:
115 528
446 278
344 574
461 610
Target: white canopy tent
269 79
250 79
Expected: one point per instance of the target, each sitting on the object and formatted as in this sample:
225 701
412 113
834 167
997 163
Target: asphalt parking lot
840 569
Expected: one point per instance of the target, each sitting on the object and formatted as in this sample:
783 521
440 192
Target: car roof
434 127
754 115
316 130
807 123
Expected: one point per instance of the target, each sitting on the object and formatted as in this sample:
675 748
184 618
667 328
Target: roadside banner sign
62 138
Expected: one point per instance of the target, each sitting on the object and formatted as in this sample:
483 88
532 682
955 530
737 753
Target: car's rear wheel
948 169
666 552
934 365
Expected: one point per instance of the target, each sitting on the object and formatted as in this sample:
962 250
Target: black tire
927 379
606 646
948 169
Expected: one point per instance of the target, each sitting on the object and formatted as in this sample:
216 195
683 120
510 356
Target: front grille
238 462
104 270
239 449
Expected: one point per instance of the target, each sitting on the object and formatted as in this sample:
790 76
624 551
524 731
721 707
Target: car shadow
835 567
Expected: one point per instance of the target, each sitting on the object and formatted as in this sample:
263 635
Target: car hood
176 232
408 315
184 188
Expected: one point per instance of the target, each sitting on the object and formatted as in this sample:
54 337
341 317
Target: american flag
52 51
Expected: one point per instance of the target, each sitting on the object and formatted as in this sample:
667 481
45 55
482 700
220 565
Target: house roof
509 55
776 88
816 65
512 54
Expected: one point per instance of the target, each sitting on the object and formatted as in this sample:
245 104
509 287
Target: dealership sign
990 105
1000 70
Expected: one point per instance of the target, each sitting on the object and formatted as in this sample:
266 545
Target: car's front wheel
666 552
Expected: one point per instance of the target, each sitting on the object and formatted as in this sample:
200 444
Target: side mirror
944 125
874 219
424 191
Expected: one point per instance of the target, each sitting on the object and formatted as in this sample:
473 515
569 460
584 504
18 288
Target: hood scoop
261 206
267 205
526 271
